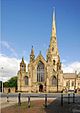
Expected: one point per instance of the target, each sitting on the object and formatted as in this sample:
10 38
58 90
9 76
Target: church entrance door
40 88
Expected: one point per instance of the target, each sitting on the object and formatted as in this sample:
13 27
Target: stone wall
9 90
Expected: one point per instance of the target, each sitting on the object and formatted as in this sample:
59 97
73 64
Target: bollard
61 99
45 100
68 98
73 97
7 98
28 101
19 99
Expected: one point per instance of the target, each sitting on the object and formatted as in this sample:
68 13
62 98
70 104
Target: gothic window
73 83
26 80
68 83
40 72
78 84
53 81
53 62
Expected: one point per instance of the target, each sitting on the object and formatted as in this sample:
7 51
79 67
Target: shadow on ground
55 107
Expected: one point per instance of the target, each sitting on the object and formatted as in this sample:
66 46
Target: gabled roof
40 58
69 75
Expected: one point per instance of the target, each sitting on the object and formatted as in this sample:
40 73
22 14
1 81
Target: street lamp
2 86
2 81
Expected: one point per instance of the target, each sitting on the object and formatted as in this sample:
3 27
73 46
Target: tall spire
53 24
53 49
53 41
52 53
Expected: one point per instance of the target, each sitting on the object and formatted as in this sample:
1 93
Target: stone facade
44 75
9 89
71 81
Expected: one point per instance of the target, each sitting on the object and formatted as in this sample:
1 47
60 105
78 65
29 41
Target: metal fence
70 98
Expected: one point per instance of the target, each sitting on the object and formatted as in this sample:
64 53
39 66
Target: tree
6 84
11 82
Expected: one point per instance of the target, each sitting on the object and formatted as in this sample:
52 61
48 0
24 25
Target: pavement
5 102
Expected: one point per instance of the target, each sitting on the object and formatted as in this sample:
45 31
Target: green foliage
11 83
6 84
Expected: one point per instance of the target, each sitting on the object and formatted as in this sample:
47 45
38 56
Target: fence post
61 98
19 99
73 97
45 100
7 97
68 98
28 101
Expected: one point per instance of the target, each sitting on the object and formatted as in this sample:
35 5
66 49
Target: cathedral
46 75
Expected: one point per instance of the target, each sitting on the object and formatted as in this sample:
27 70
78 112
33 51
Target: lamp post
2 86
2 81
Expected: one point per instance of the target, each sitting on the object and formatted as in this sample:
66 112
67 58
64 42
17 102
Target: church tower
53 54
54 72
43 75
22 66
21 75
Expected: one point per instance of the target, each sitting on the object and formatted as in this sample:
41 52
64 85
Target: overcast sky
28 22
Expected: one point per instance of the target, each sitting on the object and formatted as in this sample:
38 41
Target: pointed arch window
26 80
73 83
40 72
68 83
53 81
53 62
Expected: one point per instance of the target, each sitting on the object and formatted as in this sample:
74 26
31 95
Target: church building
46 75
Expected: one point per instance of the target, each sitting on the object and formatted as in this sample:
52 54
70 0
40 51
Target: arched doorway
40 88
